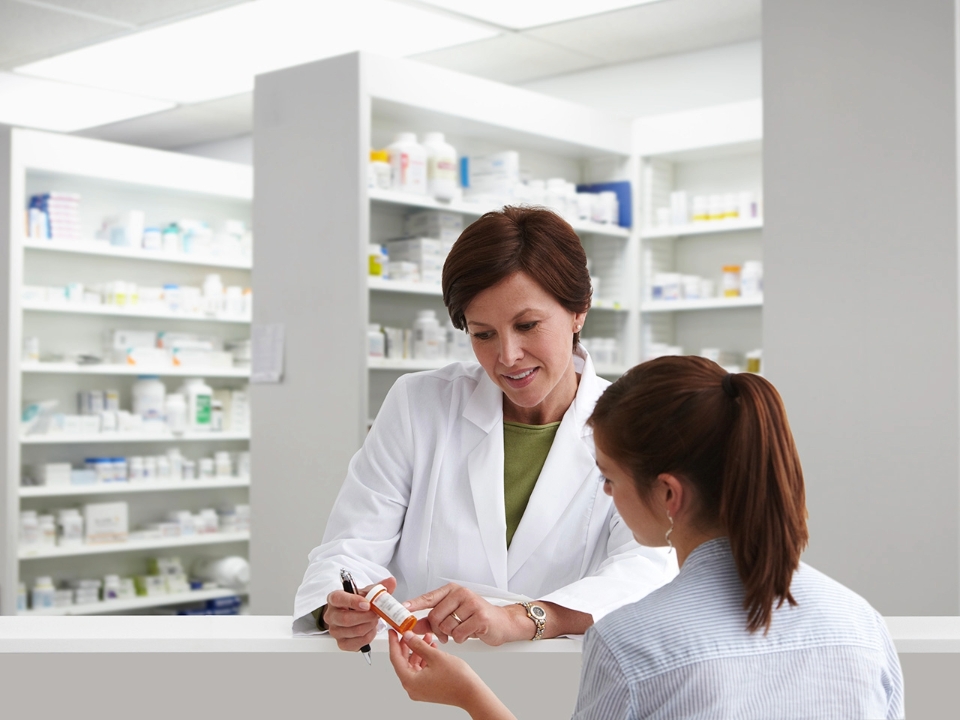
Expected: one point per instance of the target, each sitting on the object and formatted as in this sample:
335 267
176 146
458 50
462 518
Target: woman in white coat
480 479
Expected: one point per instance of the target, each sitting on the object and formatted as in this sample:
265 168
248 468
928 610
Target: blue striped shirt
684 651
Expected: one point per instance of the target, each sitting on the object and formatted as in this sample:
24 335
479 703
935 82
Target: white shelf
126 488
474 209
406 365
602 304
63 438
105 249
133 545
403 286
81 309
67 368
709 304
138 603
702 228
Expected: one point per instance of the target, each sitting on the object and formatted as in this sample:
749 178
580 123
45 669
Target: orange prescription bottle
392 612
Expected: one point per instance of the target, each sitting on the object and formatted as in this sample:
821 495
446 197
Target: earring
667 535
577 328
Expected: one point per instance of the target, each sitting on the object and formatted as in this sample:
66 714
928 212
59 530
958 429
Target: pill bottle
376 342
199 399
42 594
188 469
111 587
149 394
392 612
71 527
150 468
751 279
441 166
731 281
754 361
216 416
223 464
31 349
207 468
377 260
170 238
21 597
29 528
48 530
378 172
429 339
135 469
701 208
408 164
175 409
152 238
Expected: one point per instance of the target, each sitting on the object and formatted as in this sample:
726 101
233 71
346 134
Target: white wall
717 76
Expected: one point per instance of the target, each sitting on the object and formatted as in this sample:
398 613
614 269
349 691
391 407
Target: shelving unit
136 604
111 179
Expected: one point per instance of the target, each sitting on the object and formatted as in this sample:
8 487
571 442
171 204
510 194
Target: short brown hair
532 240
727 435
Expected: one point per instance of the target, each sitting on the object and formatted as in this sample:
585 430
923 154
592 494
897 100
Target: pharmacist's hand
461 614
350 620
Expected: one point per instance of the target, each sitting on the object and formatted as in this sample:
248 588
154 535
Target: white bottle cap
373 592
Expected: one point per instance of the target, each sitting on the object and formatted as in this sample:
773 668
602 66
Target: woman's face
647 526
523 338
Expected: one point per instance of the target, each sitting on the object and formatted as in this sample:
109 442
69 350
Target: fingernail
364 606
407 604
408 635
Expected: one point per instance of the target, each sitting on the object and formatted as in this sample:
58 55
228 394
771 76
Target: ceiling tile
661 28
510 58
29 33
140 12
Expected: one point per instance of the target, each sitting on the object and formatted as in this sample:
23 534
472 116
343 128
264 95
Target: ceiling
31 30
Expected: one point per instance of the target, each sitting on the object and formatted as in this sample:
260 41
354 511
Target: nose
511 351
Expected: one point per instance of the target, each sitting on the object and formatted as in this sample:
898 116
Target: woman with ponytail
703 461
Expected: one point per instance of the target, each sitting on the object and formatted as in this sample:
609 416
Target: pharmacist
479 480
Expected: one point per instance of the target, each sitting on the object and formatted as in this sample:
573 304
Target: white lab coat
423 501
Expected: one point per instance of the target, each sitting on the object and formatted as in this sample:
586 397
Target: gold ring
456 617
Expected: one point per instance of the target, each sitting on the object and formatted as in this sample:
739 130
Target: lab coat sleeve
367 516
624 573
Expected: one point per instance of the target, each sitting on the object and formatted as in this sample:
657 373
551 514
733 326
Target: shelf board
406 365
68 368
133 546
64 438
126 488
709 304
81 309
702 228
603 304
403 286
105 249
138 603
394 197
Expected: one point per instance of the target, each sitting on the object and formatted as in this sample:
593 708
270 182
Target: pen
349 586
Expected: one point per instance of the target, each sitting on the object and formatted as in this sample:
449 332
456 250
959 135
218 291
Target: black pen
349 586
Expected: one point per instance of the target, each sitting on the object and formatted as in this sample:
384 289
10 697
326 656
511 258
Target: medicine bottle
387 607
378 175
731 281
751 279
429 339
441 166
376 342
408 164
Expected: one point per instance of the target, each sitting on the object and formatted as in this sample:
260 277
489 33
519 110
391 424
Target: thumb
390 583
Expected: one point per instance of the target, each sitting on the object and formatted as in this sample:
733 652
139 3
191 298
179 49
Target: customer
480 479
704 462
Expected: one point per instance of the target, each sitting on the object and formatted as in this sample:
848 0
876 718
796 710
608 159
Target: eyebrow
518 315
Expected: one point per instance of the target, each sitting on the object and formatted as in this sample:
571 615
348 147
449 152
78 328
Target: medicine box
413 249
52 473
125 339
437 224
106 522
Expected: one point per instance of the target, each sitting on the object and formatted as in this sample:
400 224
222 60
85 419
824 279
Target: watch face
538 612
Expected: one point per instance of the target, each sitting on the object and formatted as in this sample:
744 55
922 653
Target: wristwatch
539 617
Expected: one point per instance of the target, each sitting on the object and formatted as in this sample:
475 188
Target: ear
671 493
578 320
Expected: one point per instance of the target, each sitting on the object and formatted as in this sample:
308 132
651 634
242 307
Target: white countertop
271 634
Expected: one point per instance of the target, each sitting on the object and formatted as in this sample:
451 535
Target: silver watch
539 617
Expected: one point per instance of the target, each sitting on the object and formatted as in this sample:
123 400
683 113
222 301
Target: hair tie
728 387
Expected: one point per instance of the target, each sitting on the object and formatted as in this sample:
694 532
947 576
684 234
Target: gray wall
310 134
861 303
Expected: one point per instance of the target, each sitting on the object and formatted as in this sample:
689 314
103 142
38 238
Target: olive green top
525 450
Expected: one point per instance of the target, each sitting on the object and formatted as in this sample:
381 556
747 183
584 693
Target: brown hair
728 437
531 240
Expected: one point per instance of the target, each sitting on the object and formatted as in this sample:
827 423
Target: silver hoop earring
667 535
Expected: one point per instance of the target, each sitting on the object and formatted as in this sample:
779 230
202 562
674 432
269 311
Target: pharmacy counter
251 667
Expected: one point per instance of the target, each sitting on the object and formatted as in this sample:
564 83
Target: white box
105 522
53 473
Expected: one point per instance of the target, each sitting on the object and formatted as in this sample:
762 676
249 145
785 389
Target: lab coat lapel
569 463
484 433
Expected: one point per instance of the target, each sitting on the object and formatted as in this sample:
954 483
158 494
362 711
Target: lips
520 379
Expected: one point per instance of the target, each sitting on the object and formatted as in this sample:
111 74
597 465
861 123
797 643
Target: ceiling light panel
48 105
523 14
220 53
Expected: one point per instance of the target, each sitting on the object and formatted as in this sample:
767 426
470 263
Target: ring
456 617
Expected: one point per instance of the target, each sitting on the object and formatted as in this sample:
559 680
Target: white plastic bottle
71 527
751 278
41 596
199 397
149 394
175 409
441 166
408 164
429 339
213 294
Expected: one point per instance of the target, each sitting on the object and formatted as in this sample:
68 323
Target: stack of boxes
420 254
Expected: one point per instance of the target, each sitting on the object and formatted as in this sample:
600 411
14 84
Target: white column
861 326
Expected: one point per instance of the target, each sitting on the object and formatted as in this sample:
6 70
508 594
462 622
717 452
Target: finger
423 627
399 657
420 647
474 626
347 601
336 617
430 599
354 644
441 617
347 632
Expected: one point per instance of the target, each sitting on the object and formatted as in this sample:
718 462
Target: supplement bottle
408 164
429 339
392 612
378 175
751 279
441 166
199 400
175 409
731 281
149 394
41 596
376 342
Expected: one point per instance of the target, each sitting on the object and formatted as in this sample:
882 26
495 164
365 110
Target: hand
430 675
477 618
349 618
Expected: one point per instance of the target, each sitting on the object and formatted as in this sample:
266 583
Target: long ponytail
728 437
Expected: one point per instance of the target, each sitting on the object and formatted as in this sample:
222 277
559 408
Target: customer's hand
461 614
430 675
349 618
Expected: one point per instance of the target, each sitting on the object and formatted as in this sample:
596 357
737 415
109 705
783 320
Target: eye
527 326
481 335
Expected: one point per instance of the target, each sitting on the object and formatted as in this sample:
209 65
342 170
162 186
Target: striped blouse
684 652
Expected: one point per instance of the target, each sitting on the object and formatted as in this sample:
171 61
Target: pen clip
347 579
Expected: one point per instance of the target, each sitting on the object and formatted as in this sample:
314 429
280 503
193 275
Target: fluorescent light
218 54
49 105
522 14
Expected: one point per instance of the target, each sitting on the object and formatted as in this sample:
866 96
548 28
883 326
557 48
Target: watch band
539 617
